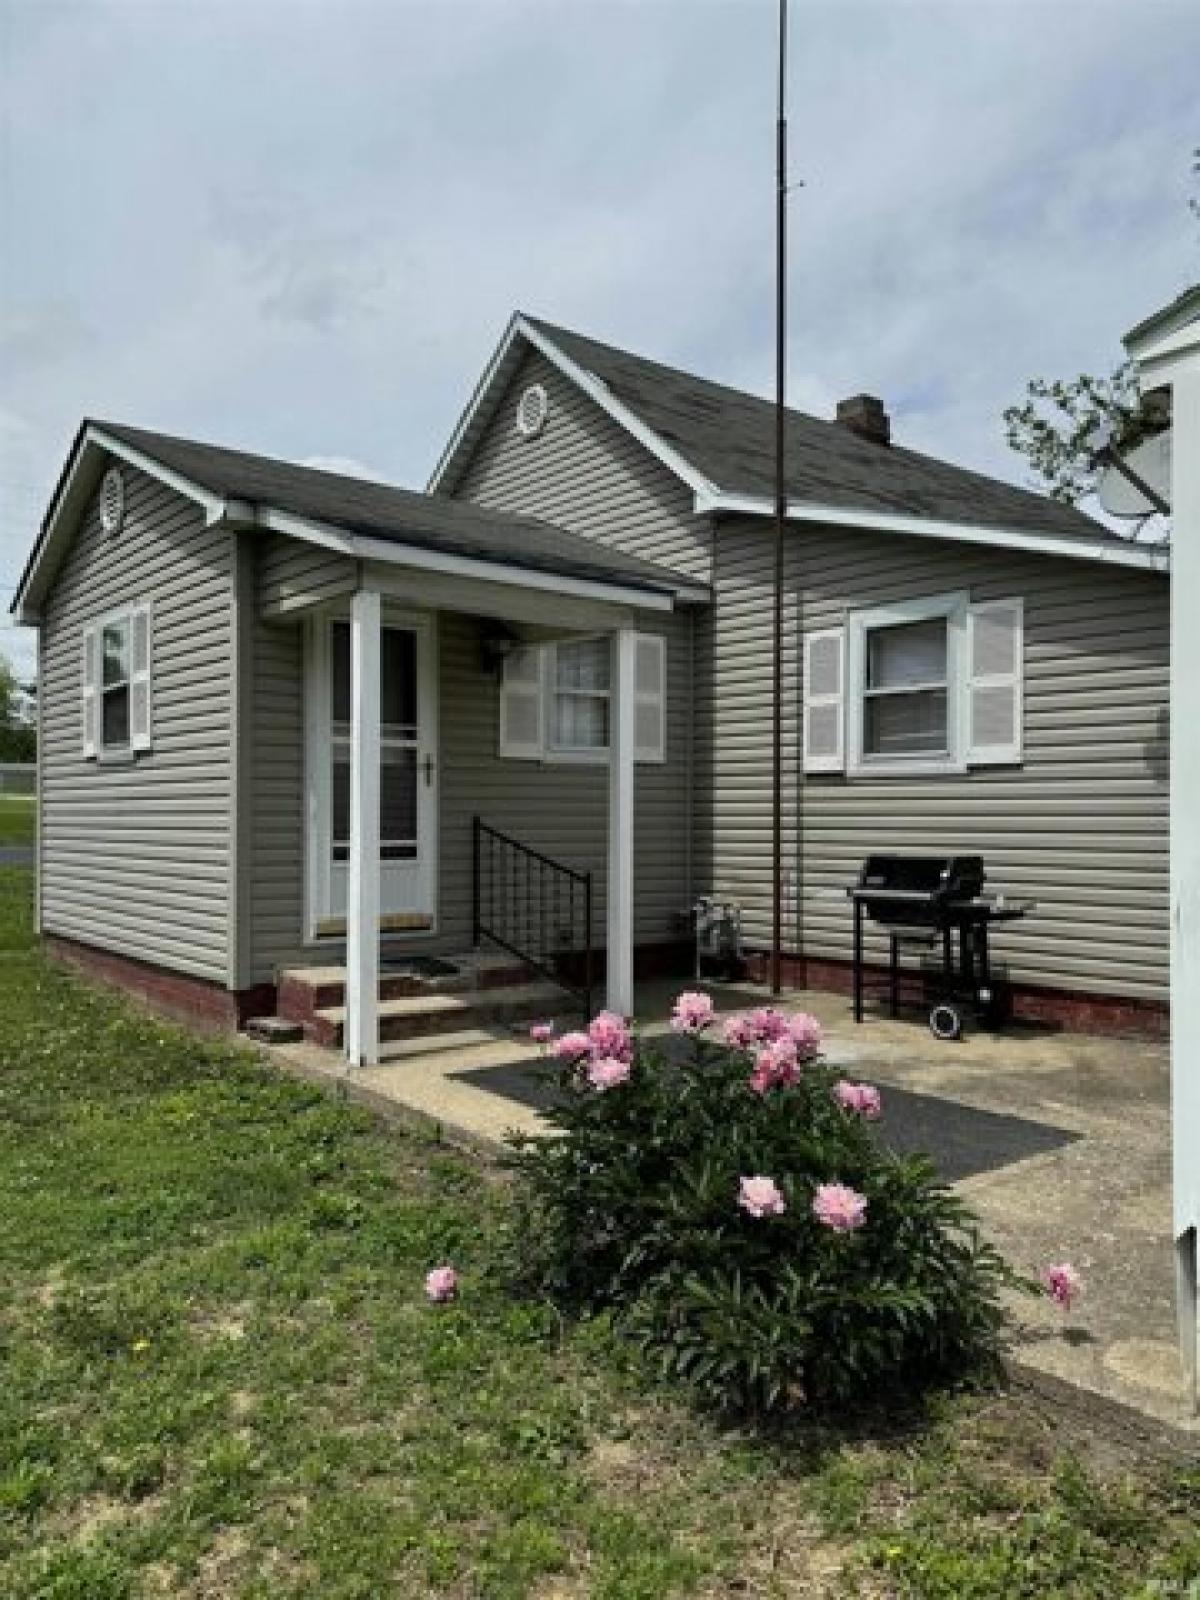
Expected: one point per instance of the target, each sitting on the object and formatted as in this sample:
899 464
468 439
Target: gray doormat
417 966
958 1139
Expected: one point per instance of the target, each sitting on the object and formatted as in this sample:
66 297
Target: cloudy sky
300 227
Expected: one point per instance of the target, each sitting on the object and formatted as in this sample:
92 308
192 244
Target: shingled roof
721 441
728 436
363 507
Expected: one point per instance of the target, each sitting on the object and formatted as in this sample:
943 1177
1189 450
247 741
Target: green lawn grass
220 1378
17 815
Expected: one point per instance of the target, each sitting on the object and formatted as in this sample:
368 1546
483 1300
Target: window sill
119 758
943 768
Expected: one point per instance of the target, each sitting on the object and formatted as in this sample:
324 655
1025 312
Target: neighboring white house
1166 350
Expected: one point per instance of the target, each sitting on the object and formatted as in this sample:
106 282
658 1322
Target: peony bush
729 1201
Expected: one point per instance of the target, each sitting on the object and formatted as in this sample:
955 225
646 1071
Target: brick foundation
1068 1009
205 1004
197 1001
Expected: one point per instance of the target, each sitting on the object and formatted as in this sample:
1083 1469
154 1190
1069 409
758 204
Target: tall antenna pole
780 507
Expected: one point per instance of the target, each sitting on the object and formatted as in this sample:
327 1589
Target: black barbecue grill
927 902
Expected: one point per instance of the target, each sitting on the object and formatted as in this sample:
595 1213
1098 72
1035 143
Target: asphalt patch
960 1140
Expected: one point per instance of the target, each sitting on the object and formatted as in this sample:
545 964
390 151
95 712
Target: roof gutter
1148 558
394 552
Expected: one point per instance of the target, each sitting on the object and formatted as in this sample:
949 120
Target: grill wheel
945 1022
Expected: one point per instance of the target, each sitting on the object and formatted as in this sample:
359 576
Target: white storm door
407 778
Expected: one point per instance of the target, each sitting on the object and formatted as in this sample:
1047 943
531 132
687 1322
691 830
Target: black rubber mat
417 966
958 1139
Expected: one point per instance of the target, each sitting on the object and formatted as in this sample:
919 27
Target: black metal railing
535 907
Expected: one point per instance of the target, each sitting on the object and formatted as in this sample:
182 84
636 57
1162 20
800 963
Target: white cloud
347 466
301 229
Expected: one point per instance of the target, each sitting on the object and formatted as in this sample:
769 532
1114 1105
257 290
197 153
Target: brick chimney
864 415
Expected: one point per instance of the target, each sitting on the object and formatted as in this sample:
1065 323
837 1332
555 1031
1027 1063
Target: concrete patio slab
1100 1200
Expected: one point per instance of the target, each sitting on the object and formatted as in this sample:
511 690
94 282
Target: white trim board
1150 558
421 558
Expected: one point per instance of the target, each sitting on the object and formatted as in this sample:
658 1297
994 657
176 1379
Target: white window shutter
650 698
995 691
141 651
824 700
89 695
521 735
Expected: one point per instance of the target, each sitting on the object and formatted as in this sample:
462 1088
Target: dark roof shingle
728 437
361 506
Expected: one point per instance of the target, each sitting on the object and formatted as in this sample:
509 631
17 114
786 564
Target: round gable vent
532 410
112 501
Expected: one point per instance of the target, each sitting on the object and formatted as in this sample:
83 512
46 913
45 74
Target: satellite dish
1138 482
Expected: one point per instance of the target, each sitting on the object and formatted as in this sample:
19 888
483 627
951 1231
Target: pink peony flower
1063 1283
609 1036
761 1197
860 1098
693 1012
570 1046
775 1066
606 1072
807 1034
768 1024
839 1207
738 1033
441 1284
542 1032
762 1078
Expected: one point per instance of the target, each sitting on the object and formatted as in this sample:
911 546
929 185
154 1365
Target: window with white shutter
555 700
521 705
824 700
116 689
995 670
89 698
650 698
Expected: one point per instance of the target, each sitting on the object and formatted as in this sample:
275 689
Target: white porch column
1185 850
620 822
362 886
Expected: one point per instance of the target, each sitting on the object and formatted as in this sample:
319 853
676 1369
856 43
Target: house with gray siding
299 730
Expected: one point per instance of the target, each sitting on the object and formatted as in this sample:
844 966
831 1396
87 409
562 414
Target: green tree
1061 426
18 735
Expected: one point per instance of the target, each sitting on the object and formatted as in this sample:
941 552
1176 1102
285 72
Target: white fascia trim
214 504
93 439
393 553
596 389
1147 557
1164 362
474 404
590 385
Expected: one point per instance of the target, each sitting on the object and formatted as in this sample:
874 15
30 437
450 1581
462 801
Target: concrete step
420 1016
305 991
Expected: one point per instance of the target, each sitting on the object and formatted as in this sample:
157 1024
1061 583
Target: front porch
445 814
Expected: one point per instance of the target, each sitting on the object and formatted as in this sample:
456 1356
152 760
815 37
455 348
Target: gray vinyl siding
1081 825
559 810
587 474
135 856
293 574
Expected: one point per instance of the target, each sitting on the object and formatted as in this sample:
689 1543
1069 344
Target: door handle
427 764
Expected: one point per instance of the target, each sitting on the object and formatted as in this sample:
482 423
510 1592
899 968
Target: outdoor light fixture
497 642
